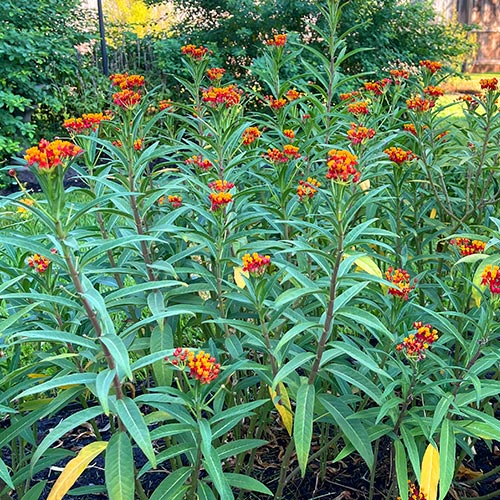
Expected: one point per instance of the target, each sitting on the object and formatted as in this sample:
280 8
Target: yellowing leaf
433 213
368 265
429 474
74 469
238 276
37 375
284 408
365 185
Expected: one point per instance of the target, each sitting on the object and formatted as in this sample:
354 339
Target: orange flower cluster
138 144
289 133
376 87
201 366
293 94
25 201
307 189
358 108
38 263
399 155
175 200
357 134
417 343
342 166
48 155
229 96
219 200
194 52
432 66
468 247
199 162
126 81
409 127
489 83
276 41
491 278
276 103
414 493
256 264
349 96
399 74
433 91
401 279
127 98
251 134
418 103
221 186
215 74
277 156
165 104
442 134
85 122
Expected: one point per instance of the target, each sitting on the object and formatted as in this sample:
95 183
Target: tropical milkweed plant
315 257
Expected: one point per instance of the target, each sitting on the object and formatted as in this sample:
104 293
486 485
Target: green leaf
54 336
14 318
353 430
401 469
447 452
161 340
103 383
4 475
133 421
67 425
172 487
234 448
292 365
119 352
440 412
73 379
246 483
294 294
303 423
35 492
356 379
119 468
411 448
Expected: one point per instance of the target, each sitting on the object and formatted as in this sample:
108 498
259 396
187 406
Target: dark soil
345 480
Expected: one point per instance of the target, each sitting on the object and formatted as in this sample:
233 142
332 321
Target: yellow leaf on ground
74 469
238 276
429 474
284 407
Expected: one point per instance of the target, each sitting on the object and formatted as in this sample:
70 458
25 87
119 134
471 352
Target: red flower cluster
349 96
307 189
199 162
399 155
357 134
417 343
194 52
277 156
491 278
376 87
215 74
127 98
489 83
85 122
433 91
126 81
229 96
165 104
414 493
138 144
293 94
276 41
38 263
432 66
418 103
399 74
256 264
201 366
342 166
409 127
290 134
251 134
276 103
358 108
221 186
219 200
468 247
48 155
175 200
401 279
